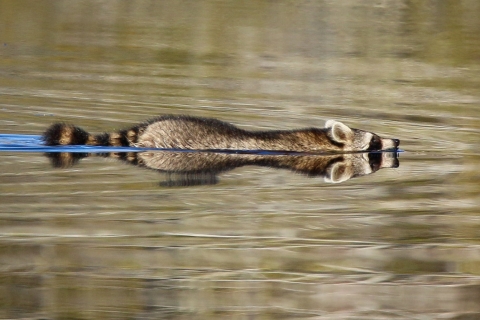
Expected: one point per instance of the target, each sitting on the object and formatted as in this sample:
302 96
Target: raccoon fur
196 133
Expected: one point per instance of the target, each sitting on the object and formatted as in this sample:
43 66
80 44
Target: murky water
106 240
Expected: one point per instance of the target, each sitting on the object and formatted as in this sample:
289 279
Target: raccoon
194 168
196 133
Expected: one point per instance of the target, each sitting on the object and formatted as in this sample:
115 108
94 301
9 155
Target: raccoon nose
396 142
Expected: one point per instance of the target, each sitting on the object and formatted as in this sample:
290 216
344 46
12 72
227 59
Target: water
104 239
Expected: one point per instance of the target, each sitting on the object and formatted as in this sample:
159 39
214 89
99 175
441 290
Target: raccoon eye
375 143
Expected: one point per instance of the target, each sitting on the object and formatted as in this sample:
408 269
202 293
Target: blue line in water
34 143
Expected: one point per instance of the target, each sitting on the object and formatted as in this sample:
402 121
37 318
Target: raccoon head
358 140
359 164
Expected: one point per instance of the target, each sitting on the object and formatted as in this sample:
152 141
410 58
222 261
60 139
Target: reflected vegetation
185 168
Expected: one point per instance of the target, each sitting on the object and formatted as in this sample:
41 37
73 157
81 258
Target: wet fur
186 132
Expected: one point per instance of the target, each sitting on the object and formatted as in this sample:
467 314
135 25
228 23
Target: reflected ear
337 172
338 131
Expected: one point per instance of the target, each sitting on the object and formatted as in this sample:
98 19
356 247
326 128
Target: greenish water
106 240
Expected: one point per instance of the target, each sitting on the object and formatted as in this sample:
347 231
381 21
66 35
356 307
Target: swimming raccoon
194 168
187 132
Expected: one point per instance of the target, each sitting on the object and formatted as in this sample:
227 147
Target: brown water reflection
202 168
103 240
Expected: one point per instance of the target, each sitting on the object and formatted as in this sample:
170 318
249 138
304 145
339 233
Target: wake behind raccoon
196 133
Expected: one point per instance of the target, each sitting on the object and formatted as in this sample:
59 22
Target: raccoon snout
390 144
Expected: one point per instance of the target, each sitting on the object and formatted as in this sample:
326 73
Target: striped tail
66 134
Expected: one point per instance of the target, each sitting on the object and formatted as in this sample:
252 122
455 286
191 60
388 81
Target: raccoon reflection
194 168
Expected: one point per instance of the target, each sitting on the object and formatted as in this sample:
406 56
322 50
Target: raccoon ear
339 132
337 172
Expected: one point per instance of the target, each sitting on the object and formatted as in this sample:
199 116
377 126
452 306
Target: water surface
103 239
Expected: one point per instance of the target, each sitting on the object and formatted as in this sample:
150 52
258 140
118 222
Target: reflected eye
375 143
375 160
